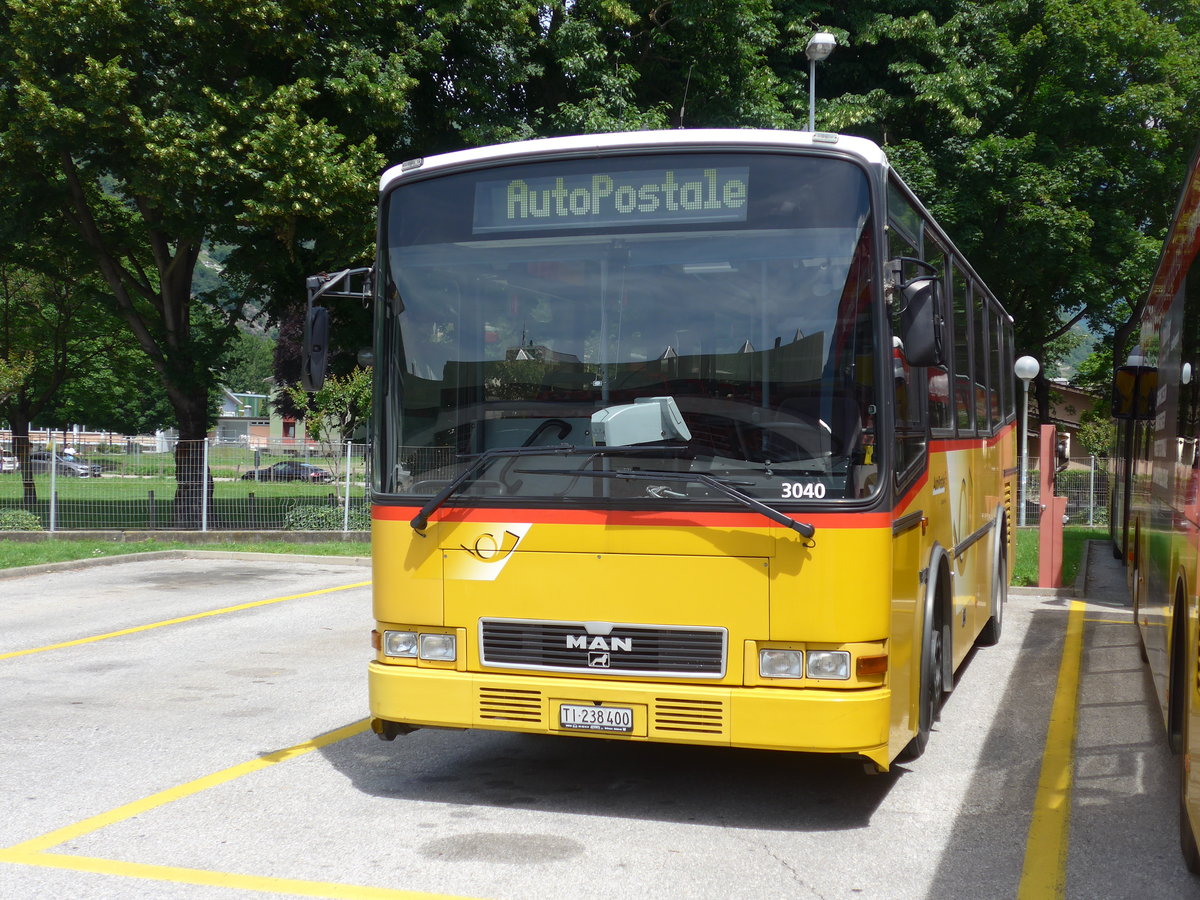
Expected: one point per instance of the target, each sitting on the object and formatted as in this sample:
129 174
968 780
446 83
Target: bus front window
750 309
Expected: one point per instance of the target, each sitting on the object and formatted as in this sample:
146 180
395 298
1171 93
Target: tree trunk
20 444
193 481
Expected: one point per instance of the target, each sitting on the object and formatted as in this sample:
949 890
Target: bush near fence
136 491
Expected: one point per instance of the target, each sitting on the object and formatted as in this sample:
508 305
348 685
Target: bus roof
709 138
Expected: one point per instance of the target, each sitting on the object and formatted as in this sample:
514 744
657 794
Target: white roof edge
866 150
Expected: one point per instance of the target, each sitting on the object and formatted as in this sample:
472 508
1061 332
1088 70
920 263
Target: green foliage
1050 140
248 363
308 517
19 520
333 414
1097 433
142 132
154 138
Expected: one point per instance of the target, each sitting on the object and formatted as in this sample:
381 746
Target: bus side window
907 382
964 400
979 325
940 410
995 354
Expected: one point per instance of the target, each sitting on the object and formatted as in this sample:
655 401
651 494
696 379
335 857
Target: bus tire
990 636
1137 629
1187 837
1177 688
933 679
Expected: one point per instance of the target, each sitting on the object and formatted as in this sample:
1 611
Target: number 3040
796 490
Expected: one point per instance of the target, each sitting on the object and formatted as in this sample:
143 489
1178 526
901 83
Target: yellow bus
1155 507
700 436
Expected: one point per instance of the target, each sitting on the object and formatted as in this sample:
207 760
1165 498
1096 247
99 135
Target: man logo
598 660
581 642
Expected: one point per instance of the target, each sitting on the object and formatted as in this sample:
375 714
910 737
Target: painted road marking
215 879
1044 874
180 620
34 852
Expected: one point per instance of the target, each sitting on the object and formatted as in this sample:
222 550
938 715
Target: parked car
8 463
290 471
39 463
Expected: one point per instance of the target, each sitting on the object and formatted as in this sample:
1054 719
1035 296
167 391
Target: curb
1075 590
88 563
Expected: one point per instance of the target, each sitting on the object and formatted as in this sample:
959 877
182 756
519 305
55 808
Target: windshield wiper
421 519
723 486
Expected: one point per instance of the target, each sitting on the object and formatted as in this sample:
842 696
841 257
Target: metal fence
1085 484
290 488
131 489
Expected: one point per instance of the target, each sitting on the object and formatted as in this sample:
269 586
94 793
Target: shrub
310 517
19 520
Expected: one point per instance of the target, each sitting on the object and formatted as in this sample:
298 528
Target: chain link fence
1085 484
270 488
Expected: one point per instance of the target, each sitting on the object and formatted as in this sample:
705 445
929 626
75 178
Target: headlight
781 663
439 646
829 664
399 643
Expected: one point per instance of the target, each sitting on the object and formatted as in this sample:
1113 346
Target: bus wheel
933 684
991 631
1187 837
1137 629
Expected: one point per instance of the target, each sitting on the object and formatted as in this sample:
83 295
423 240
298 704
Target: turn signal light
871 665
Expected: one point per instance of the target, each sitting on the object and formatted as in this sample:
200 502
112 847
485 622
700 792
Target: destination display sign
603 199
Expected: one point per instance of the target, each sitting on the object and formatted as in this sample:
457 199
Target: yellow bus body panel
859 586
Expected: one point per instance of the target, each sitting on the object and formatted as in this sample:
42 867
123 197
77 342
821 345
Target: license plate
596 718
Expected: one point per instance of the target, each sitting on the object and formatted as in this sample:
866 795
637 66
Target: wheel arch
939 607
1179 649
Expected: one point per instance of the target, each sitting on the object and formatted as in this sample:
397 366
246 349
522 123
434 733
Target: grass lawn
1025 567
22 553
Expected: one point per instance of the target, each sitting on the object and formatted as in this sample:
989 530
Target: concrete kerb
21 571
1076 589
189 537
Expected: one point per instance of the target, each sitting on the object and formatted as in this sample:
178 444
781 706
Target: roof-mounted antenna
687 84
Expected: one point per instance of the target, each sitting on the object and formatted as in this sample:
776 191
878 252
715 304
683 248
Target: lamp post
820 45
1026 369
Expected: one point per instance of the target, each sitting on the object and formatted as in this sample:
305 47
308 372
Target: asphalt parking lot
194 727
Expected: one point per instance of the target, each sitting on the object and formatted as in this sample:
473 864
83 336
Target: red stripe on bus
630 517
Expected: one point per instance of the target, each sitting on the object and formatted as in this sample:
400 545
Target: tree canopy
1048 136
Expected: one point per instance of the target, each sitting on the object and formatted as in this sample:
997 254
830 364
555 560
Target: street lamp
1026 368
820 45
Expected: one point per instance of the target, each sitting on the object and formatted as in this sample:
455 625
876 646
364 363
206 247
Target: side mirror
1135 389
316 349
921 321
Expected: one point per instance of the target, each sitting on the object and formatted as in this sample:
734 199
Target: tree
51 330
247 364
333 414
147 130
513 69
1048 138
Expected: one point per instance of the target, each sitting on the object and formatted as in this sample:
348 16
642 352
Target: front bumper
820 721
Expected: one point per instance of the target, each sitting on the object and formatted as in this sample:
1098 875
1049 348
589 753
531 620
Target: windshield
527 306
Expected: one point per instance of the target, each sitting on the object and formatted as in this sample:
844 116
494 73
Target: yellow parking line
181 619
213 879
1044 874
129 810
33 852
